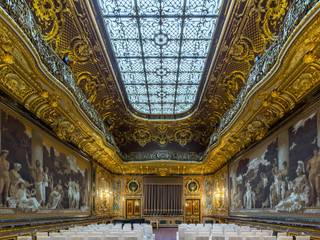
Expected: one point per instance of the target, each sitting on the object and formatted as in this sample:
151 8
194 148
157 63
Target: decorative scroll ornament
90 85
50 16
183 136
142 136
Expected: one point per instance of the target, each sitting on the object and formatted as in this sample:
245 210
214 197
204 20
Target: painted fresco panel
280 177
39 176
117 202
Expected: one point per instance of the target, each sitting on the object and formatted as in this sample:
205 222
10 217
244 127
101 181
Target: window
161 47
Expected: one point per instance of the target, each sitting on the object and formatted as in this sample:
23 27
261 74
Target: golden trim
23 77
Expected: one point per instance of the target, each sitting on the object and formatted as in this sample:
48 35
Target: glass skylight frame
160 72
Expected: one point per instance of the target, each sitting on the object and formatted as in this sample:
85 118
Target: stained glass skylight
160 48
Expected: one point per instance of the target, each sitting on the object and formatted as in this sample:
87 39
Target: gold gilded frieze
296 74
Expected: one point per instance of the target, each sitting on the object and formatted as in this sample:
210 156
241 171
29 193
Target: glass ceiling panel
160 47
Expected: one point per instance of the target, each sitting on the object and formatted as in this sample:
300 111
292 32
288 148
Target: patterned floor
165 233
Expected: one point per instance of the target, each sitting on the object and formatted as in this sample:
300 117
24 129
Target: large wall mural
281 175
38 174
215 193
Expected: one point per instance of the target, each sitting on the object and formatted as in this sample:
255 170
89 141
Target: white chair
24 238
235 238
129 238
202 237
181 234
111 238
269 238
217 233
58 238
282 234
252 238
189 235
247 234
95 237
42 234
76 237
303 237
267 232
285 238
218 238
43 238
54 234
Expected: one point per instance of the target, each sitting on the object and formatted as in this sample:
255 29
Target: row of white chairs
229 232
98 232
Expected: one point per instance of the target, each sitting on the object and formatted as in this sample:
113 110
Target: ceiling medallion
161 72
161 94
161 39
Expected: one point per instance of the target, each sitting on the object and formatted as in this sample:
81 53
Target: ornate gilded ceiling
250 28
160 51
70 28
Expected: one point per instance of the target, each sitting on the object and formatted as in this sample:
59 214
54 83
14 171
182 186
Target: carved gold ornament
243 40
24 77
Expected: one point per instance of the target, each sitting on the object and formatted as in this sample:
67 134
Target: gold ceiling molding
73 30
24 77
296 73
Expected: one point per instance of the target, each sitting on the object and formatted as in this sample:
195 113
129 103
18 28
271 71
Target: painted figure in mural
283 173
300 197
73 194
4 177
16 178
237 194
249 198
261 190
59 188
25 200
38 176
45 182
71 199
39 183
77 194
275 188
313 168
54 198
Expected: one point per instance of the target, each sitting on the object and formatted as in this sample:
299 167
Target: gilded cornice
295 74
280 79
24 77
23 16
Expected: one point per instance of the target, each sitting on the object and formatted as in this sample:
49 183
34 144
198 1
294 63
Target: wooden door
133 208
192 210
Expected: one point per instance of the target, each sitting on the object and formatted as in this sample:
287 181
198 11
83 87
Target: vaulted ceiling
244 30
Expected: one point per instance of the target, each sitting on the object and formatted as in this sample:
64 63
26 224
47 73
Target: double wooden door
133 208
192 210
